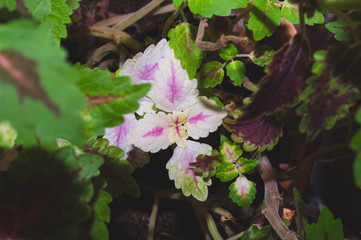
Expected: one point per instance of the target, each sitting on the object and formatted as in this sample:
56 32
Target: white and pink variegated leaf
203 118
242 191
146 105
119 135
151 133
141 67
173 90
183 174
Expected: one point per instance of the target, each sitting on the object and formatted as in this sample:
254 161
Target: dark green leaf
210 75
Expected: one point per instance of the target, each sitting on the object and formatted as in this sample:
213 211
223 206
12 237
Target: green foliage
242 192
208 8
290 12
229 151
226 172
265 17
262 55
46 103
247 165
110 98
116 171
236 71
210 75
58 185
182 40
7 135
357 170
177 3
355 144
99 230
339 29
9 4
229 52
326 227
301 220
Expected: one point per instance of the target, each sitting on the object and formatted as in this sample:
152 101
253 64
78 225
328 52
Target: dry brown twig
221 42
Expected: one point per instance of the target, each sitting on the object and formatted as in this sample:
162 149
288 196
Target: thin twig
272 200
171 19
153 217
221 42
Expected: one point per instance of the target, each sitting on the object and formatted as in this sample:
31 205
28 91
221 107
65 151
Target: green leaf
116 171
229 151
208 8
265 17
247 165
242 192
57 185
290 13
177 3
262 55
73 4
355 143
326 227
210 75
41 101
301 220
228 52
101 214
9 4
357 170
235 71
258 233
226 172
110 98
341 31
182 40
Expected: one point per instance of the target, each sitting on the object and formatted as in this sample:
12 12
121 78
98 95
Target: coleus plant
169 84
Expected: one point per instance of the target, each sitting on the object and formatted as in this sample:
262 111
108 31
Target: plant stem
171 19
272 199
153 217
137 15
198 206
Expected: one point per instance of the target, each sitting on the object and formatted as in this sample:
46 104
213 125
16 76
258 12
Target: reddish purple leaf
260 133
287 74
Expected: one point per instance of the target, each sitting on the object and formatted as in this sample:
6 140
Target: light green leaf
235 71
177 3
73 4
357 170
326 227
7 135
242 192
228 52
9 4
229 151
43 102
258 233
247 165
290 13
182 40
210 75
226 172
208 8
265 17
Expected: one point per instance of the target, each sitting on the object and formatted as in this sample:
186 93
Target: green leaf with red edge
265 16
226 172
246 165
330 92
286 79
109 98
242 192
182 40
228 52
34 79
257 134
229 152
208 8
236 71
47 196
116 171
210 75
